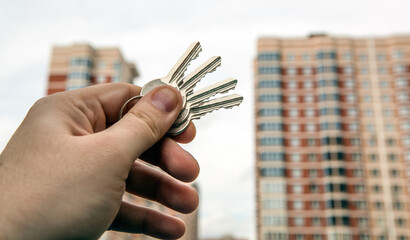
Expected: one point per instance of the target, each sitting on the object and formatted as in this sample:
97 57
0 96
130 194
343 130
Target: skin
67 166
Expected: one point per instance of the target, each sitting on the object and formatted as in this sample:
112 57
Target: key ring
126 103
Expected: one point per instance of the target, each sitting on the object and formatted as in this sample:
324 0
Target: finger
147 122
173 159
150 183
136 219
107 97
187 135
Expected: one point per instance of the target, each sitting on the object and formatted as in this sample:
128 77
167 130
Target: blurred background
152 35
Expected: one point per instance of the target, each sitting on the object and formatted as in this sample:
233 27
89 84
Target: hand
66 168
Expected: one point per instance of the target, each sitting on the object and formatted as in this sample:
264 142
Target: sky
154 34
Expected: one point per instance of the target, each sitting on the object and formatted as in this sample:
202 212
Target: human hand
66 168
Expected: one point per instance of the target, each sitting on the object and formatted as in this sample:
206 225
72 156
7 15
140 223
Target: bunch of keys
198 103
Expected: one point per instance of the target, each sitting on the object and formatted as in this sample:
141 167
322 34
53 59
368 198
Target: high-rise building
81 65
332 138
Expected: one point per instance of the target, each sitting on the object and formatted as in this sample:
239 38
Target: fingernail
165 100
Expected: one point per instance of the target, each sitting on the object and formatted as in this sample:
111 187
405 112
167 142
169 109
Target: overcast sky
153 34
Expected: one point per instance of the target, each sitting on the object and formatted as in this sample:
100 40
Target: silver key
207 107
198 97
189 82
174 76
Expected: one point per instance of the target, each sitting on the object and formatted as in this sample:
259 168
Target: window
272 156
294 127
382 70
309 112
400 222
394 173
272 172
297 188
357 172
273 203
349 83
364 70
270 84
375 173
347 56
353 126
391 142
367 98
370 127
271 141
365 84
290 57
363 222
307 71
270 112
292 98
381 56
398 54
387 112
101 79
314 188
295 157
316 221
292 84
404 111
268 56
356 157
274 220
314 204
270 126
359 188
402 97
299 221
313 157
363 57
368 112
293 112
310 127
291 71
406 141
298 204
309 98
392 157
101 65
386 98
360 205
401 82
270 98
294 142
373 157
384 84
348 70
378 205
266 70
296 172
81 61
352 112
273 187
306 57
377 188
399 68
308 84
350 97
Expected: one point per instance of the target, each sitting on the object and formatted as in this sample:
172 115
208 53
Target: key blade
220 87
178 70
228 102
189 82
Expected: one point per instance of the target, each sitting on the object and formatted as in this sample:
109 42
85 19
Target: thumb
147 122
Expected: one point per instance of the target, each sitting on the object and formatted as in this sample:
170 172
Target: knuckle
149 123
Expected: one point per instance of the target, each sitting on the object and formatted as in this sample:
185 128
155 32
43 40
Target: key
174 76
198 97
189 82
207 107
